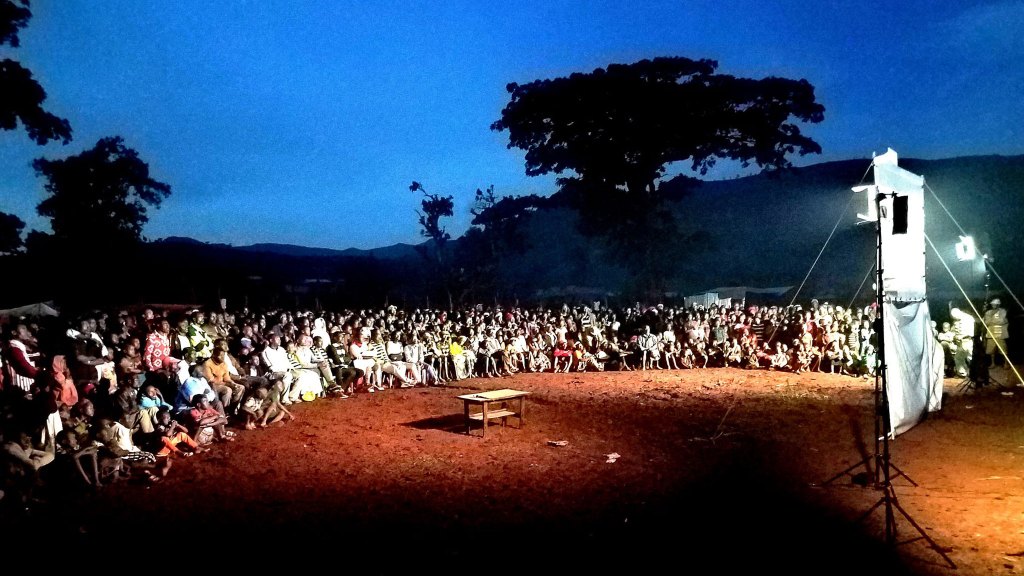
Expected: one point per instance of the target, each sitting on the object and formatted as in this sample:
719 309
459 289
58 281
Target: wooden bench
496 404
494 414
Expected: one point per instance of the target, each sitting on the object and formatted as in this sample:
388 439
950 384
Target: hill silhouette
761 231
767 230
392 252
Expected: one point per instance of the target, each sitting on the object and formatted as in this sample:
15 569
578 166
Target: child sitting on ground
204 416
252 406
171 434
273 410
116 438
84 460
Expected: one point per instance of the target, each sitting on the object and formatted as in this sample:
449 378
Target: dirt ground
719 471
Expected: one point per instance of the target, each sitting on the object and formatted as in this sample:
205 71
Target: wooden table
493 405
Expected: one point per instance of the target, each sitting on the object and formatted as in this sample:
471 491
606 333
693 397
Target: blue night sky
305 122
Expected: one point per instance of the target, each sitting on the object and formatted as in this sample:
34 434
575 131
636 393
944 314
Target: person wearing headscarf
320 329
62 383
307 380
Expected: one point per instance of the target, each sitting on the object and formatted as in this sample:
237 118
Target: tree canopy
616 130
101 196
433 208
621 126
21 99
497 234
10 233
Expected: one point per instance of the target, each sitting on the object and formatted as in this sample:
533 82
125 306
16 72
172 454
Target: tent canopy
725 295
741 292
35 310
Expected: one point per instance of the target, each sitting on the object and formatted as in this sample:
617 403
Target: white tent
913 357
37 309
724 295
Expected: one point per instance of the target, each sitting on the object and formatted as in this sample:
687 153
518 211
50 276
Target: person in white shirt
414 354
648 345
363 359
397 369
307 382
522 349
275 358
963 328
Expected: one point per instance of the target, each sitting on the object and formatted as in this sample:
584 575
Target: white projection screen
913 382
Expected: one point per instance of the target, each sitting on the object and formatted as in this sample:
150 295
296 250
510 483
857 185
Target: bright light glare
965 249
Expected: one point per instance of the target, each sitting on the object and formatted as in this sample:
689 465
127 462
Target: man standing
996 333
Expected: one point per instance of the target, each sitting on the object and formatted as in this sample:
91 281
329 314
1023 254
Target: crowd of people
963 340
120 394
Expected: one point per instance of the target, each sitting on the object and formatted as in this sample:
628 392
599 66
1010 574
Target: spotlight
965 249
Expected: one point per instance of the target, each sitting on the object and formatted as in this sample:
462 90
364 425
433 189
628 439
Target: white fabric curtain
914 364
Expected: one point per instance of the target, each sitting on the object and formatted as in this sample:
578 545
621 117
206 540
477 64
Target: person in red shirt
58 381
161 367
19 359
204 415
157 356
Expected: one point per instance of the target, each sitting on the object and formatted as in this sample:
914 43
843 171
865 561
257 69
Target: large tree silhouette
21 98
434 207
99 198
616 130
10 233
496 234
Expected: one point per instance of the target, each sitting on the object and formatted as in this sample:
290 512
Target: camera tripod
978 374
884 470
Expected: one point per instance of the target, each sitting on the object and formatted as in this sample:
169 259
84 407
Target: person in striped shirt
20 356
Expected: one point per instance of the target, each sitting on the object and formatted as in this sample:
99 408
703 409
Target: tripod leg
934 546
901 473
870 510
864 462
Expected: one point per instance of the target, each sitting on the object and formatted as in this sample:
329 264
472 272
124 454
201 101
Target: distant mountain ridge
758 231
797 227
392 252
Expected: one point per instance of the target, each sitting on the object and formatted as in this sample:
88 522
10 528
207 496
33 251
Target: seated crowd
121 395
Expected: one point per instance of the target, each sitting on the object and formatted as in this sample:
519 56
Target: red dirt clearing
717 473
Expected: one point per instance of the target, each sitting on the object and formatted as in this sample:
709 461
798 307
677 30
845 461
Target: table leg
485 418
522 410
468 421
